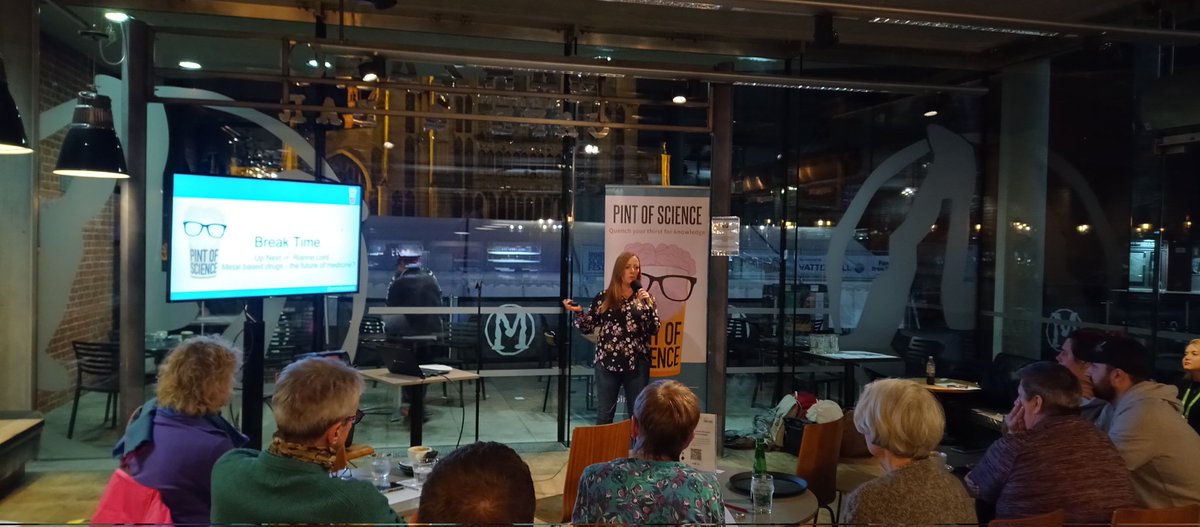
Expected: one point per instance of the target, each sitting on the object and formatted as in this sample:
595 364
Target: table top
944 385
792 510
851 356
403 498
387 377
10 428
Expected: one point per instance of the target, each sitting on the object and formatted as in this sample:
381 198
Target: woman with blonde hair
626 317
653 487
174 440
903 423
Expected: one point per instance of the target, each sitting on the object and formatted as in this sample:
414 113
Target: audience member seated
1075 356
478 485
316 408
903 423
1026 472
173 441
1158 446
652 487
1190 386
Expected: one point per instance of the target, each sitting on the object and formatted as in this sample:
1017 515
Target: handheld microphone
637 286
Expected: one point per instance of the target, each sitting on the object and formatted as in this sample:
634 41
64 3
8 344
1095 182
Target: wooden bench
20 435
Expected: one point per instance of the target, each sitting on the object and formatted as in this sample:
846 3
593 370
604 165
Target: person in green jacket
316 407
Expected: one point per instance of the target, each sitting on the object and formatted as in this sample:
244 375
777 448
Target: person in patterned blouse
626 320
653 487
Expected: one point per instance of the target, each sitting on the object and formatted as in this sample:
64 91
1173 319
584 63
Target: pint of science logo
204 228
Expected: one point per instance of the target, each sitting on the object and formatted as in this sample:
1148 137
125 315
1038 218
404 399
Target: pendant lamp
91 148
12 129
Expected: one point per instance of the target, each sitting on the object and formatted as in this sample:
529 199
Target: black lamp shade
12 129
91 148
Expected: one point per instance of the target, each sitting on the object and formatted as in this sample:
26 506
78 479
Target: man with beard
1158 446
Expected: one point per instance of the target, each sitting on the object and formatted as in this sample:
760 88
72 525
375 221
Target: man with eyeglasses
316 408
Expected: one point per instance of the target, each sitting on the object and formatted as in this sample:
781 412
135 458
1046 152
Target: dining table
849 359
785 510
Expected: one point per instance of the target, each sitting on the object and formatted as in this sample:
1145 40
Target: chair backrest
1050 519
1186 515
591 445
854 443
97 363
817 461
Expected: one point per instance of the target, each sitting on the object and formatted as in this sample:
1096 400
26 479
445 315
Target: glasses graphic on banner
673 286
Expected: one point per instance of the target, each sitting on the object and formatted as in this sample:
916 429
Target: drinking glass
381 468
762 492
421 471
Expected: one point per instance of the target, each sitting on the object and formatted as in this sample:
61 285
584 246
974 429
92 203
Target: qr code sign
696 454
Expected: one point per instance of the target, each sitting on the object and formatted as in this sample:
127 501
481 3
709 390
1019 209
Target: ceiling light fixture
91 148
189 64
679 99
930 113
12 128
372 69
116 17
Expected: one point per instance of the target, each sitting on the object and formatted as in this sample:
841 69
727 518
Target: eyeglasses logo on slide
204 227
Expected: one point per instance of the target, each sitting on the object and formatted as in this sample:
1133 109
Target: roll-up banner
668 229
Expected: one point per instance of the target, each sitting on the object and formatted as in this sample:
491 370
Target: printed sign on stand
668 229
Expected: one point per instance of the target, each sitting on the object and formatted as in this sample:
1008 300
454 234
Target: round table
792 510
944 385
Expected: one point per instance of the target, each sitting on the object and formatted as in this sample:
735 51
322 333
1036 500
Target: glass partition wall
875 216
485 183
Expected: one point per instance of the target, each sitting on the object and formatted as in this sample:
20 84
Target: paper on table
701 453
403 494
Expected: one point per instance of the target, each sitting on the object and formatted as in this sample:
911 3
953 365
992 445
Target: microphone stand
478 351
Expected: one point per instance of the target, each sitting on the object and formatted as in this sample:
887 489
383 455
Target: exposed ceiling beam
621 29
649 71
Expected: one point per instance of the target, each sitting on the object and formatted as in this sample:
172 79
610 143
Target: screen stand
252 372
319 342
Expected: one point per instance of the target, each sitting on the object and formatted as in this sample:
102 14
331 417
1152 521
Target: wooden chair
97 366
817 461
1186 515
1050 519
591 445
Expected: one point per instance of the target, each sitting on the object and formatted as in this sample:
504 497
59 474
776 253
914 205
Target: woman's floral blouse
625 332
639 492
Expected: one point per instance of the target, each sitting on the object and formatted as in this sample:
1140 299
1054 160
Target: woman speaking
626 318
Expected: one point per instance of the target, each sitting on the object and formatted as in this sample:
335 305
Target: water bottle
930 371
760 456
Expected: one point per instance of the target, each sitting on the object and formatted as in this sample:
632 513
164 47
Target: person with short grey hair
1024 473
316 408
902 423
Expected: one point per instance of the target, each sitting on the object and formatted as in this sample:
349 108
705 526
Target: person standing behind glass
1190 387
626 321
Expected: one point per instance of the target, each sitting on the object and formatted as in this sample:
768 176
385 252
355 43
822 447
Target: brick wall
89 315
